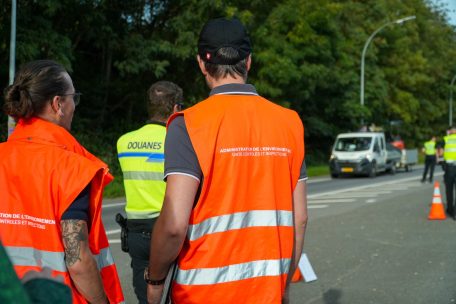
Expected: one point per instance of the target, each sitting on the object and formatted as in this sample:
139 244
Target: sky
451 8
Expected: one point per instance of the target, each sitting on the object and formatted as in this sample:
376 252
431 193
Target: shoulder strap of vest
171 118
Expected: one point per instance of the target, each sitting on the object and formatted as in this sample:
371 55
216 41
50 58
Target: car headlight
368 157
333 157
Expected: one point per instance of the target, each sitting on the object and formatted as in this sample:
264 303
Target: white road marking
109 232
380 184
330 201
314 180
397 188
114 241
356 194
113 205
353 195
402 186
372 191
317 206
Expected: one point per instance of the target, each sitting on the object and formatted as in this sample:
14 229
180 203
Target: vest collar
41 131
234 89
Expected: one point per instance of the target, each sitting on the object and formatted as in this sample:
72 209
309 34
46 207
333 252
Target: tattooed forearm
73 233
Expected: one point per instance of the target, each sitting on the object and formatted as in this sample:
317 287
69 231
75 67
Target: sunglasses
76 97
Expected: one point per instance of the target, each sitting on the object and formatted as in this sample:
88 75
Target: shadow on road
332 296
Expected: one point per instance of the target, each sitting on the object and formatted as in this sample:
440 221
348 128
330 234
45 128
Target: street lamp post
398 21
12 59
450 102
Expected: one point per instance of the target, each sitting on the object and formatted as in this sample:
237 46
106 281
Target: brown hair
163 95
36 83
218 71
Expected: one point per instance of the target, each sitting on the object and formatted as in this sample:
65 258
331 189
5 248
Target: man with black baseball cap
235 207
223 33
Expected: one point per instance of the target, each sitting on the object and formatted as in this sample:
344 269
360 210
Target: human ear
249 62
201 65
56 105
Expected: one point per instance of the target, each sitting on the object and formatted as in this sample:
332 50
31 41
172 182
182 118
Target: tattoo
73 233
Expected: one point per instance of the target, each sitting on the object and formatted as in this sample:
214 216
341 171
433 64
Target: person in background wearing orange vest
141 158
235 207
51 188
430 151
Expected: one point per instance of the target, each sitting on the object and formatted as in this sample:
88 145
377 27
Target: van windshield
352 144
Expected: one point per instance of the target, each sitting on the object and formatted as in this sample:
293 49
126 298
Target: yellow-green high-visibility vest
141 157
449 153
429 147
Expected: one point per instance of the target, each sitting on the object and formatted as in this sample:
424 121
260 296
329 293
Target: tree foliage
306 56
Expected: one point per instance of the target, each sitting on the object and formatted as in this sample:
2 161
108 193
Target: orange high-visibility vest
239 243
42 171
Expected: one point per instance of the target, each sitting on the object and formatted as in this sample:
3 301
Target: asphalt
387 252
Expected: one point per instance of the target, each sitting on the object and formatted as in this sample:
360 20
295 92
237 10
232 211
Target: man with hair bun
141 158
235 207
51 188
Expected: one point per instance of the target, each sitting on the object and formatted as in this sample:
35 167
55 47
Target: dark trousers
429 163
139 233
450 183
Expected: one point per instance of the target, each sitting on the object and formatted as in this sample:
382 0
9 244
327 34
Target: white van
362 153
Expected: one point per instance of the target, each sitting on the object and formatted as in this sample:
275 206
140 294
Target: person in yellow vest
141 157
51 188
449 156
430 160
235 207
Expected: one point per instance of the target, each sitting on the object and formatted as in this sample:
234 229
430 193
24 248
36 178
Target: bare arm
300 218
80 262
170 229
300 223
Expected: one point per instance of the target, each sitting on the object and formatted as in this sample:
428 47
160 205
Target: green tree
306 56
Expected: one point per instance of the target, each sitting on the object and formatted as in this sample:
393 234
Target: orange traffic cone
297 276
437 212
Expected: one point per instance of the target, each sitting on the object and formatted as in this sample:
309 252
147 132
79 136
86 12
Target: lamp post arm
364 55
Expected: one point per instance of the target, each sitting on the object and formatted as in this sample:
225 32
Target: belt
141 226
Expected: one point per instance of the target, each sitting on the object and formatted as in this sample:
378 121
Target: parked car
362 153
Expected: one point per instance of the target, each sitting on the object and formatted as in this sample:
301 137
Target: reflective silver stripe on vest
142 215
256 218
143 175
450 149
205 276
104 258
27 256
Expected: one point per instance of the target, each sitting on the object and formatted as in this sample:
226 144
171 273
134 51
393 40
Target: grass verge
318 170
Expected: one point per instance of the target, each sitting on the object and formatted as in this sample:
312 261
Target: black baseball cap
221 32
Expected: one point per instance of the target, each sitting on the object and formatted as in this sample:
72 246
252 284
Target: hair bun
17 102
13 93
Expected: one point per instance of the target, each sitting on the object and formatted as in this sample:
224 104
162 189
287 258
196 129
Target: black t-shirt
79 209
